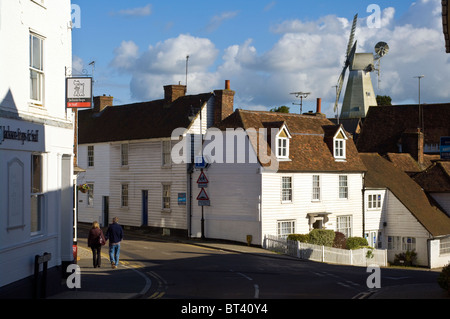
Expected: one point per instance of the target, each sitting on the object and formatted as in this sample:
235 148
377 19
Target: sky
266 48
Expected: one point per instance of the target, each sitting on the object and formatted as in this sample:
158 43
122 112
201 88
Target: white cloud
308 56
136 12
125 55
217 20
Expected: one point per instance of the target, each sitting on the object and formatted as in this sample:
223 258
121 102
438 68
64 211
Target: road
185 271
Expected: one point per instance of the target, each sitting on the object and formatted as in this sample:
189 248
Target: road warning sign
202 181
203 199
202 195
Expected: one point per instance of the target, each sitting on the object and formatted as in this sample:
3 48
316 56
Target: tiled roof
384 125
436 178
310 148
383 174
404 162
138 121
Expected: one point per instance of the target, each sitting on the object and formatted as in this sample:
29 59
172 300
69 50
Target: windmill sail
351 47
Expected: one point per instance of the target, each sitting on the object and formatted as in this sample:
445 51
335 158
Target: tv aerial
301 96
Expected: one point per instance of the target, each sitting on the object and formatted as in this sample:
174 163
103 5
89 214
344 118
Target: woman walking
96 240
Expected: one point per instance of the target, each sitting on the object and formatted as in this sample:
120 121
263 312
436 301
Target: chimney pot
224 103
319 105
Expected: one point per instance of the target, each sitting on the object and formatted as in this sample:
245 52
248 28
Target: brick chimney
413 143
319 108
173 92
224 103
101 102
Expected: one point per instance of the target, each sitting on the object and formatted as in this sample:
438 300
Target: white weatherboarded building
312 179
36 139
126 152
400 217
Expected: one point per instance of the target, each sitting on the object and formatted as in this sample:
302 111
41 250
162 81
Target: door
105 210
374 238
144 208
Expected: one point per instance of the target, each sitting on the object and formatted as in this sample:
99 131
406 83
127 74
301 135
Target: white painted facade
144 172
393 227
246 199
36 216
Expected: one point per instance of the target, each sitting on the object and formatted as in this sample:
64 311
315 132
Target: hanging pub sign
79 92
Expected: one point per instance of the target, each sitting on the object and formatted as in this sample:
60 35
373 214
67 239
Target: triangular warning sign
202 179
202 195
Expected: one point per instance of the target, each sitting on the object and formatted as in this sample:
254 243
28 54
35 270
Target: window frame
408 246
124 195
283 143
37 98
286 197
281 227
166 198
282 147
124 154
340 145
37 196
371 201
316 193
344 226
166 153
343 189
90 195
91 156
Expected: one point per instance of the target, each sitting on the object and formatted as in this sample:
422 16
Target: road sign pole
203 224
203 218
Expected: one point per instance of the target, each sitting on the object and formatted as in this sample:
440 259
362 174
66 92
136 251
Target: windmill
359 94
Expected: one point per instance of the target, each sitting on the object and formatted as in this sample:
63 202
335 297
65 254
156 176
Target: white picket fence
357 257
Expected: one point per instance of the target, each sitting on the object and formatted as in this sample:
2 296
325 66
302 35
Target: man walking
115 235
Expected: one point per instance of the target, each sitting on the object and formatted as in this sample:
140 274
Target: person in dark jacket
115 235
96 240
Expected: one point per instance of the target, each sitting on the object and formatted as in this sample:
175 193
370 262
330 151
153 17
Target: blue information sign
445 147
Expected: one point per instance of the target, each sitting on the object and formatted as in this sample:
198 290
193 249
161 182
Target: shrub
356 242
303 238
444 278
407 258
339 240
323 237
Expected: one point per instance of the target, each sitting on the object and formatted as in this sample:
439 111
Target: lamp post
420 107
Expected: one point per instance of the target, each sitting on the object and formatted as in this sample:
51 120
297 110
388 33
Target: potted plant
83 188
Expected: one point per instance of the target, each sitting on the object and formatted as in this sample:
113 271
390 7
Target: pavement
126 282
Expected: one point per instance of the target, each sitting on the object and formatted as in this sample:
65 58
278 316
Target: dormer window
282 140
339 145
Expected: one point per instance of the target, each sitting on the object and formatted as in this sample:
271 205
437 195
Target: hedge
323 237
303 238
356 242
